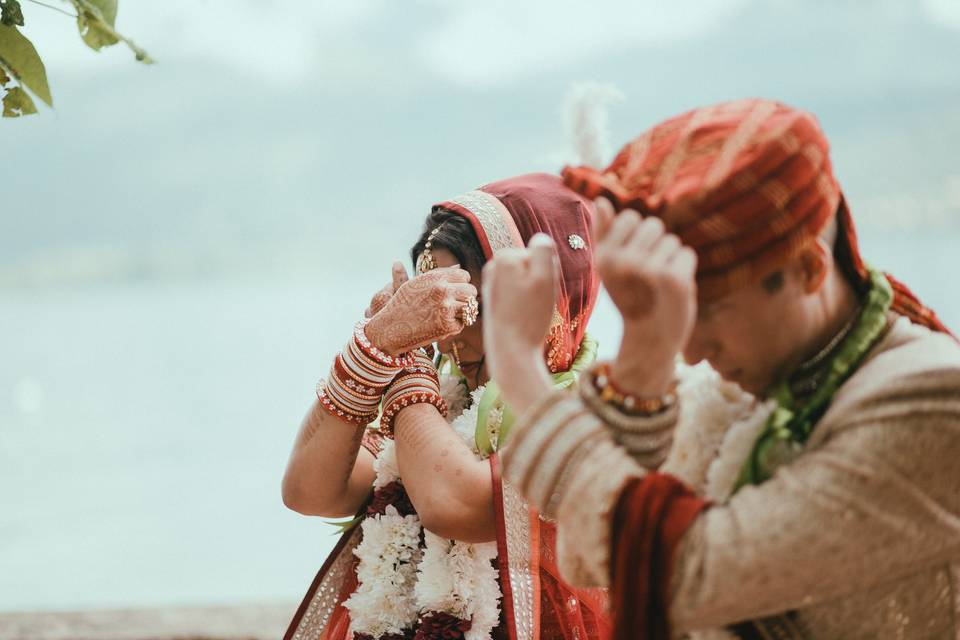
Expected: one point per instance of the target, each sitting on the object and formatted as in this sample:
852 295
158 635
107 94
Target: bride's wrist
375 332
358 378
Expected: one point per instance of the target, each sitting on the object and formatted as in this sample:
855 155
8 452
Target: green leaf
108 10
95 20
20 59
342 526
10 13
17 102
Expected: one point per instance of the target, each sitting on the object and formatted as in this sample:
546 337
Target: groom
734 245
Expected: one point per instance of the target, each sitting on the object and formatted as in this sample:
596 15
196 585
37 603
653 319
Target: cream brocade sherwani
860 534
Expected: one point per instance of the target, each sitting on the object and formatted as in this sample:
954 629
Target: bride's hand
519 292
426 309
382 297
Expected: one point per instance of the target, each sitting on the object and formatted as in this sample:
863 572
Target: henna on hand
382 297
379 301
422 311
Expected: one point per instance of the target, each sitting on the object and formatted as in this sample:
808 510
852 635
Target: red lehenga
536 603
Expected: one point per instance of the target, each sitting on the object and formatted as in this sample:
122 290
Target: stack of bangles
361 374
358 378
416 384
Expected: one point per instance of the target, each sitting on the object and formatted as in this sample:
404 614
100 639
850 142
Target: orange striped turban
746 184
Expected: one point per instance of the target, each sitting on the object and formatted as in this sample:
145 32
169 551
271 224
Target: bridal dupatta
536 602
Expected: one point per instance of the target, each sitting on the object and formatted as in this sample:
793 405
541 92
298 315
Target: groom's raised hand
519 293
650 276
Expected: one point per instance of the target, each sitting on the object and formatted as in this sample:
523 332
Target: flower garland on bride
414 584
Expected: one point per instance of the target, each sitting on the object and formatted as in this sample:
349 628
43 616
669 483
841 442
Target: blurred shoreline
262 621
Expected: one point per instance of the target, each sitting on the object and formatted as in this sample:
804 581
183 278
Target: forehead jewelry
456 355
426 261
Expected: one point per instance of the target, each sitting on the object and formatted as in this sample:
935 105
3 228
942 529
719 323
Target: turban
747 185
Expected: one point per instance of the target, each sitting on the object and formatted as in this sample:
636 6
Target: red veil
536 602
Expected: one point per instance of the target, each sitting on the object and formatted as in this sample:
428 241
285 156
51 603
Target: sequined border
313 622
516 515
498 226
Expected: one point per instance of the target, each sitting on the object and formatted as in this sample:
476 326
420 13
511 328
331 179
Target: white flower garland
458 578
389 553
399 581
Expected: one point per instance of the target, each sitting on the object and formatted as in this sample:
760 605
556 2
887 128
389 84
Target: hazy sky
270 135
249 192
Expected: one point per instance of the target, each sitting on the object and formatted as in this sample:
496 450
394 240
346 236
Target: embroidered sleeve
564 461
876 501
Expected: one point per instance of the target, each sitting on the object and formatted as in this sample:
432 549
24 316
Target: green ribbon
789 426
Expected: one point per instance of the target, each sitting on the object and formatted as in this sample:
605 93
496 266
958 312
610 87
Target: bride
440 546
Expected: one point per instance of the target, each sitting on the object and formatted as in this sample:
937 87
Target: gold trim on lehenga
313 622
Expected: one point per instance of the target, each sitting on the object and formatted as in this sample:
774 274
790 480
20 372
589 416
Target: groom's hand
649 275
519 293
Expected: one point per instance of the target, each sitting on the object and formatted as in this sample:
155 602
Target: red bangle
418 384
358 378
400 402
383 358
339 410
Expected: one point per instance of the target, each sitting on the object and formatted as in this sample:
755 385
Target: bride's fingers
464 292
378 301
399 275
453 274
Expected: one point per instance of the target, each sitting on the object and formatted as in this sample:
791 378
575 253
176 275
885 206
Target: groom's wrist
524 381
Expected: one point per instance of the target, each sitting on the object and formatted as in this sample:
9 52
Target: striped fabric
746 184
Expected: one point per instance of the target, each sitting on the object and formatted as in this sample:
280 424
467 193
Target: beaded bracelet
624 401
358 378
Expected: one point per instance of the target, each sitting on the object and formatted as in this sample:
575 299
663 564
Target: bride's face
467 346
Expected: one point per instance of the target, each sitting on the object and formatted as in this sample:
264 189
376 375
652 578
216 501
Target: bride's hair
455 235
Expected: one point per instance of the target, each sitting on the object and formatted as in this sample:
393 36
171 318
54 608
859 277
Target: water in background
144 429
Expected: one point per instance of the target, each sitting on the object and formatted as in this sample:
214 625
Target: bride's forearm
449 486
328 473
